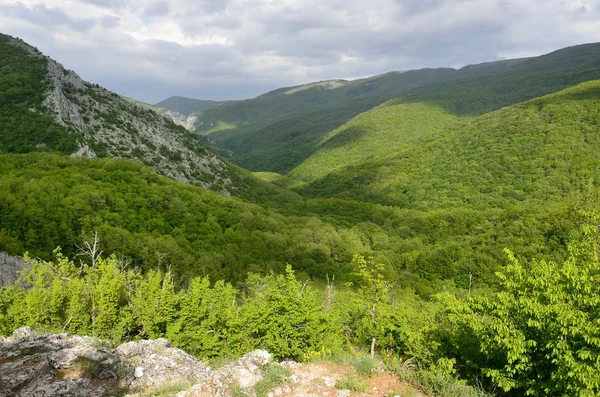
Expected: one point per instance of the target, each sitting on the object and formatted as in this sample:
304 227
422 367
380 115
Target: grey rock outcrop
34 364
57 365
9 268
110 126
245 373
154 363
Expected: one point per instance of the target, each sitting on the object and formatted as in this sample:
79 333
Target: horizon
219 50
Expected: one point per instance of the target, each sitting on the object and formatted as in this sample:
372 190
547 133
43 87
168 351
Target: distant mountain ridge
278 130
539 150
187 106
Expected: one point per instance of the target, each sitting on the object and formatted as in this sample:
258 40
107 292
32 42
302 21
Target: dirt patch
319 380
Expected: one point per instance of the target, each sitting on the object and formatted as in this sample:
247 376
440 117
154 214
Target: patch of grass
218 362
88 368
239 391
352 382
365 365
442 386
169 389
273 375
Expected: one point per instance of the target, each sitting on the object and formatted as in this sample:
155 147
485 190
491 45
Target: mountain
278 130
47 107
187 106
543 149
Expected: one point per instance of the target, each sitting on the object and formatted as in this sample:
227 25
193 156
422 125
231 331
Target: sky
234 49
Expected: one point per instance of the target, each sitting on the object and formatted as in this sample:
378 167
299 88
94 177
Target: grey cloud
110 22
157 8
271 44
50 17
110 4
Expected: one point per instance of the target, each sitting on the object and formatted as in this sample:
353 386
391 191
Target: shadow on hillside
348 135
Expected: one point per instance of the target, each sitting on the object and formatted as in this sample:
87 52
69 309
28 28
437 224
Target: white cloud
222 49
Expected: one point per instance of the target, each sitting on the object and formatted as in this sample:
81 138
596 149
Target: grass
168 389
352 382
274 375
365 365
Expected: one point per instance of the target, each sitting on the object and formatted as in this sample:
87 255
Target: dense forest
429 222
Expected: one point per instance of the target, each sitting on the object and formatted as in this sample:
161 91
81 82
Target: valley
435 221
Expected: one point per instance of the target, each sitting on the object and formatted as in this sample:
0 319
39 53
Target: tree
540 334
374 294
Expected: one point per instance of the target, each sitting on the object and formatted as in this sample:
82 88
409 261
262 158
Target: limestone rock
9 268
40 365
155 363
245 372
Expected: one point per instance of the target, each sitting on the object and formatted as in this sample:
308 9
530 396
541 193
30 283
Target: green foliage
23 126
279 130
352 382
274 375
285 316
372 136
373 298
539 334
532 152
48 200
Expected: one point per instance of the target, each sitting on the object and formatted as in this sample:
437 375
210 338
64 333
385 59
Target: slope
373 136
276 131
187 106
46 107
538 151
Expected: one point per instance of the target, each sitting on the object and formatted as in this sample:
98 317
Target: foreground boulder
39 365
35 364
244 373
154 363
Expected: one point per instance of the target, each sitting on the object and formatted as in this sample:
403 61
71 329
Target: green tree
540 334
373 295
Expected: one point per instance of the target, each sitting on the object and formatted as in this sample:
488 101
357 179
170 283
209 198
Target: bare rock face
9 268
110 126
245 372
34 364
57 365
187 122
154 363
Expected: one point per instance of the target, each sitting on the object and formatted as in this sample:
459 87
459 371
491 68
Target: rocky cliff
110 126
9 268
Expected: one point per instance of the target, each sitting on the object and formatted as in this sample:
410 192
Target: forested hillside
431 221
277 131
539 151
45 107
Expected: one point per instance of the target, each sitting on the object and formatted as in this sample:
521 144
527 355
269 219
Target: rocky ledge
44 365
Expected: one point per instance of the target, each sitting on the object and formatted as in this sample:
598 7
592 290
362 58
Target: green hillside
44 107
47 200
373 136
538 151
187 106
22 86
278 130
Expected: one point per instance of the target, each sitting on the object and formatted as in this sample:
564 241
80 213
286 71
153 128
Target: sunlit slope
279 130
373 136
540 150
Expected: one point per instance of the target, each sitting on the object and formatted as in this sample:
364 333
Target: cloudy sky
231 49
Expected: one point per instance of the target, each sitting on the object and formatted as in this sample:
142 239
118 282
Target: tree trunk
373 347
